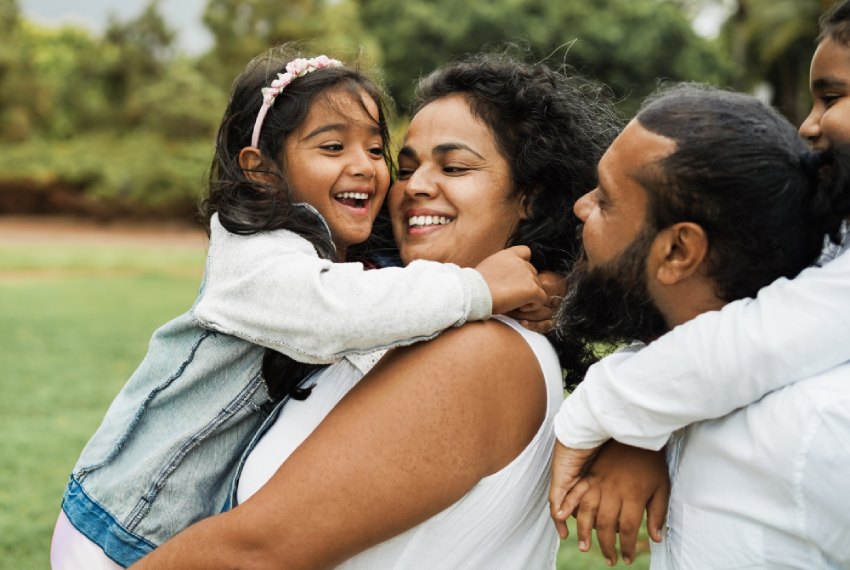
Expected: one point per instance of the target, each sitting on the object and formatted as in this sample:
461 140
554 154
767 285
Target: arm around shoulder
382 457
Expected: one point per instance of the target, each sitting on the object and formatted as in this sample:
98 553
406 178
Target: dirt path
54 229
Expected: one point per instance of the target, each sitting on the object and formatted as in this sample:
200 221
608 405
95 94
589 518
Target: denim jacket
165 454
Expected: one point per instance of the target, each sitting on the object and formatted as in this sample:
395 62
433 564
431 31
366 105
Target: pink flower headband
295 68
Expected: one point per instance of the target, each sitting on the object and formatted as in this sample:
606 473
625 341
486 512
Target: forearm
273 290
715 363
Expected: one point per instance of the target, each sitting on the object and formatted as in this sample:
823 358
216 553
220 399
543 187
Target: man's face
608 298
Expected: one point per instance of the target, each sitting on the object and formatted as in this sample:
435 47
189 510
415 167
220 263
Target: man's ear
679 252
253 165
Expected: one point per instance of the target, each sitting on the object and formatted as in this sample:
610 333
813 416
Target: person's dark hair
552 128
741 171
247 206
835 24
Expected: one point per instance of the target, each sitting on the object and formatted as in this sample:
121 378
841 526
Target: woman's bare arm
428 423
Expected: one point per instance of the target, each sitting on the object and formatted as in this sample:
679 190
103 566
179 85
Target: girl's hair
551 128
741 171
835 24
245 205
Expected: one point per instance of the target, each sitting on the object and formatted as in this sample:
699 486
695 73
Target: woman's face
451 200
334 161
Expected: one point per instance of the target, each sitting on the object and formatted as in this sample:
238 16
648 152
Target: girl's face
451 200
829 120
335 162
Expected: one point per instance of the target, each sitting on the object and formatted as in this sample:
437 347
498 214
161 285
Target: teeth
422 221
353 195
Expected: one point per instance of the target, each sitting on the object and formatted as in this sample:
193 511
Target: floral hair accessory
294 69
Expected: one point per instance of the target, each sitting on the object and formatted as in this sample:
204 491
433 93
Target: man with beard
706 197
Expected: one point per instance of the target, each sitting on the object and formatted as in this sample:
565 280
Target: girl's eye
829 99
332 147
377 151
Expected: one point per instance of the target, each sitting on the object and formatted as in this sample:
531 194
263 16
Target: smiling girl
299 175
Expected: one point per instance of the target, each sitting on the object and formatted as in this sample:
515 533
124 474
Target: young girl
299 175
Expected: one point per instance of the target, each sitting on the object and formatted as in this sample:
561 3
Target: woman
438 457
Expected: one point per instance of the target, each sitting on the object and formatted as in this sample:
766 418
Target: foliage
627 44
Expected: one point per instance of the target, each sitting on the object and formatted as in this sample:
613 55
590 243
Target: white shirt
717 362
765 487
502 523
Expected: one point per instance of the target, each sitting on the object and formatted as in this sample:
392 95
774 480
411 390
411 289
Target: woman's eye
405 173
454 169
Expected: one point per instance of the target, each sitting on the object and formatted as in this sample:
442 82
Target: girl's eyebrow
324 129
828 83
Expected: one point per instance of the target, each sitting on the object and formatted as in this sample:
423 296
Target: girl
299 175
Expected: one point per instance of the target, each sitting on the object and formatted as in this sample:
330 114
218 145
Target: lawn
76 318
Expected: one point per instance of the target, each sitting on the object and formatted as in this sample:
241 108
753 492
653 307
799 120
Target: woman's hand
612 496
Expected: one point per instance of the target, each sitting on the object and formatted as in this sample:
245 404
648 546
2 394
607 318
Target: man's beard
610 304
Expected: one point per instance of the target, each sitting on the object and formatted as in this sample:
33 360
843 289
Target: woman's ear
253 165
679 251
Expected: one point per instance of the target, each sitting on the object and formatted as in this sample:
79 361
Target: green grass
76 320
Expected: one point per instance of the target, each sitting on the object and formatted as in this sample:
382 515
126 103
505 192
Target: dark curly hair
835 24
552 127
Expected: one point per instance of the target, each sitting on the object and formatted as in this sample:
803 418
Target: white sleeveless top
502 523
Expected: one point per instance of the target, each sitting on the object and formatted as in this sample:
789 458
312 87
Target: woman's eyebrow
823 83
445 148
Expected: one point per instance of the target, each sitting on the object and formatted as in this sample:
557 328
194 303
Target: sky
184 16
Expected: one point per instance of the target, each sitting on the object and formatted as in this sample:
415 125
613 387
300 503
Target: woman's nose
421 183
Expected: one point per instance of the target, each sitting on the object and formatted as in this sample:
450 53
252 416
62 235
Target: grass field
76 316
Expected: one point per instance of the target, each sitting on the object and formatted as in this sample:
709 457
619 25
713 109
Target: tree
627 44
773 41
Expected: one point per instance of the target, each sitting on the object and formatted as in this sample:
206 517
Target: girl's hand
542 319
512 280
619 485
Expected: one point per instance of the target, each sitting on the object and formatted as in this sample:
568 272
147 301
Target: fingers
656 512
606 527
541 327
522 251
586 518
631 516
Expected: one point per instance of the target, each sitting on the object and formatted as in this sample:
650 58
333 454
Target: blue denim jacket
166 452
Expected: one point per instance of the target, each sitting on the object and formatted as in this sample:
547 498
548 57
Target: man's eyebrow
449 147
822 83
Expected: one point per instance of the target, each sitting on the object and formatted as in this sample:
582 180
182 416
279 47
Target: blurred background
108 110
92 94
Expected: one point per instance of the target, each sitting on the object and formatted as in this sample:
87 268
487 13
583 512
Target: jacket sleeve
272 289
715 363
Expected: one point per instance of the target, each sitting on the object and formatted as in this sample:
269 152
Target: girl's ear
252 164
